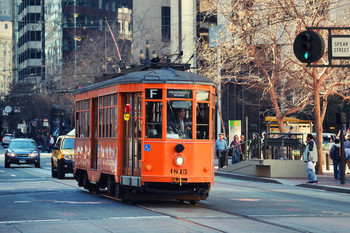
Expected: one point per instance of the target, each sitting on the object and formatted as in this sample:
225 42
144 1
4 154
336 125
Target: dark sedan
7 139
22 151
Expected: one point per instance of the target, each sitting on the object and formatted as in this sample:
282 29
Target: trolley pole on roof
121 62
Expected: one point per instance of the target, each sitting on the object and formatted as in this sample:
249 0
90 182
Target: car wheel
37 164
60 170
7 164
53 170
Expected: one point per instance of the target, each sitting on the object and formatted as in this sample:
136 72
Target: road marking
61 220
246 199
12 175
22 201
141 217
32 221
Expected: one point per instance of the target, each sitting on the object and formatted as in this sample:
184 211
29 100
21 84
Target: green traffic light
306 55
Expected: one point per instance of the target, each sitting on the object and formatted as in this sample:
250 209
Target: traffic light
308 46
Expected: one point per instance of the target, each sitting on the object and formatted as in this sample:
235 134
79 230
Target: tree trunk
280 124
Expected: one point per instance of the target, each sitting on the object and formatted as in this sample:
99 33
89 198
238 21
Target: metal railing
272 146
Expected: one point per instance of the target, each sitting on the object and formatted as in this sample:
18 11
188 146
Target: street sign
340 46
46 122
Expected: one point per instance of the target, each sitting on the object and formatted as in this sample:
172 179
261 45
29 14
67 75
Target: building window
94 3
100 24
100 4
165 23
6 26
107 6
113 5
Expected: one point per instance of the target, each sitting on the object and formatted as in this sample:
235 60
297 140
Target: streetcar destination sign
340 46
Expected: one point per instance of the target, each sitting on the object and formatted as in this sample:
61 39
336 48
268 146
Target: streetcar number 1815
176 171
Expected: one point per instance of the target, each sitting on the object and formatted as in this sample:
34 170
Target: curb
326 188
247 177
269 180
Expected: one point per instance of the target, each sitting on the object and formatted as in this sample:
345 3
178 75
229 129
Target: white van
327 140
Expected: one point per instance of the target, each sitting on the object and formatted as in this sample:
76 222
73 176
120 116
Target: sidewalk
326 180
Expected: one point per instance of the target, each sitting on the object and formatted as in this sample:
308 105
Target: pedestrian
243 146
51 142
310 157
346 142
236 150
43 142
334 153
221 150
347 158
291 132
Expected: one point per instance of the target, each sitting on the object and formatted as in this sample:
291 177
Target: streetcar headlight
179 160
68 157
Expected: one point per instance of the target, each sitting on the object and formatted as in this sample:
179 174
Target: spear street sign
340 47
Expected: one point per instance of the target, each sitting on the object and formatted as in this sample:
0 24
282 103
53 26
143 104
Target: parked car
6 139
62 159
22 151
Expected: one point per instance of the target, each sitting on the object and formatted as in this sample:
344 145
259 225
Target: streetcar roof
166 75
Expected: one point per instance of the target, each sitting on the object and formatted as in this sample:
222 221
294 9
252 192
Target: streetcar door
132 135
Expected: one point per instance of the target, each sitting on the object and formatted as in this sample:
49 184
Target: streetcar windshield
179 122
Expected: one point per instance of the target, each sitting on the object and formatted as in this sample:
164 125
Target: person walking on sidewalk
237 150
310 157
221 150
334 153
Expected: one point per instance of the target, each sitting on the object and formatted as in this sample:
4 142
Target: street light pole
145 59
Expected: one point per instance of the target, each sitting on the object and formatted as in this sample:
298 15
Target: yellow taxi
62 159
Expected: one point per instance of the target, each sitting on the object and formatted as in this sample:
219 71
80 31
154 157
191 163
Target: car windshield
22 145
7 137
68 143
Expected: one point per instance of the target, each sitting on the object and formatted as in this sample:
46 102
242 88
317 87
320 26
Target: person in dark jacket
334 153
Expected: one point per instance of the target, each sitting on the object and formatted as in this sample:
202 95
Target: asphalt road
32 201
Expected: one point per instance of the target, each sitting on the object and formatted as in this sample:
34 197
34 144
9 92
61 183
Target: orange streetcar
147 135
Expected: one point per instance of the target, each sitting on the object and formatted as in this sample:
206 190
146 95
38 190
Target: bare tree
255 47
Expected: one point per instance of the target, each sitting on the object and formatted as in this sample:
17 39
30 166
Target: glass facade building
48 33
29 55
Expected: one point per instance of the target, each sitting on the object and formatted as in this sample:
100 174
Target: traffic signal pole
309 46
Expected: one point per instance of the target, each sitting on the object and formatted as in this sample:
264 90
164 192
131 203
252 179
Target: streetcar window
202 121
83 118
108 116
154 119
179 122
